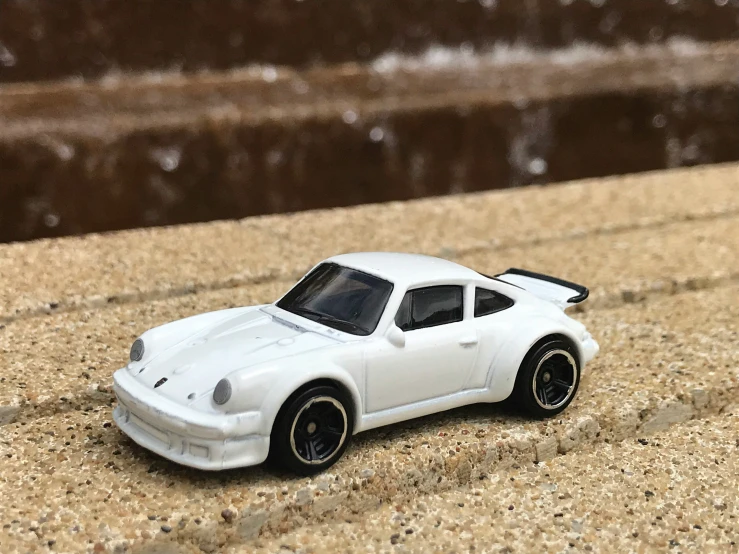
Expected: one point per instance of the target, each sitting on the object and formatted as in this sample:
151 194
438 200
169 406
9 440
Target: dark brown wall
126 152
199 173
52 39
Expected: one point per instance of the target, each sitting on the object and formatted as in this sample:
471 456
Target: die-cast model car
363 340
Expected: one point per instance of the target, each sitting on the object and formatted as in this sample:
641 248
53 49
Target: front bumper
184 435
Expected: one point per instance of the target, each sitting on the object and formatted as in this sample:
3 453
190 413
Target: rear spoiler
561 292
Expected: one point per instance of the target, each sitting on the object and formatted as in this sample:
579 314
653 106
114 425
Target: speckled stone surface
646 455
676 490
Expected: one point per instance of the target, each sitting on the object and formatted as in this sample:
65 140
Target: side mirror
396 336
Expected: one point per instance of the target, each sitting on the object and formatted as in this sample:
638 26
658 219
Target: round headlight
137 350
222 392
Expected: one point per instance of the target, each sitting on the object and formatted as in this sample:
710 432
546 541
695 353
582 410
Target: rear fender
512 353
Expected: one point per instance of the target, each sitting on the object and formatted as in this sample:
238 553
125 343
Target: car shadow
266 474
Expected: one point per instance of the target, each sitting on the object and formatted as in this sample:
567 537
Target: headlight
137 350
222 392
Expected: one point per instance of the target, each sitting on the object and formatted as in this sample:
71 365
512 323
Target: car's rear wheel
312 430
548 378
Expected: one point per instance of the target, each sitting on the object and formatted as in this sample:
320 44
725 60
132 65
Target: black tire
548 378
312 430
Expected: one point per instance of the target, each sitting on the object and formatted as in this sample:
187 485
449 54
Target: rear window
488 302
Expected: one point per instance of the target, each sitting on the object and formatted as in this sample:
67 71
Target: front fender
267 389
511 354
280 393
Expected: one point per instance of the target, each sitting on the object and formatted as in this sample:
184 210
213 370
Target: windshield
339 297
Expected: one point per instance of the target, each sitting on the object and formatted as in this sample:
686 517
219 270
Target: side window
403 317
488 302
429 307
436 305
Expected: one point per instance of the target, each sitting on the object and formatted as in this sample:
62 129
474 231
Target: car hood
192 368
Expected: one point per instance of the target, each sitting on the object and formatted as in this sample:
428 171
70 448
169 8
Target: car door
440 348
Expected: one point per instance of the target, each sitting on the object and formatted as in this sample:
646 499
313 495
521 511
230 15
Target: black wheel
312 430
548 378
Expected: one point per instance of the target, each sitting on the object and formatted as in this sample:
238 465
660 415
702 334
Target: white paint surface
267 353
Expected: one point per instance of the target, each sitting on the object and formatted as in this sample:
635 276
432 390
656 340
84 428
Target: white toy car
363 340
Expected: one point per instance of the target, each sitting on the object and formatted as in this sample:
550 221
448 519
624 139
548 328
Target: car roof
406 269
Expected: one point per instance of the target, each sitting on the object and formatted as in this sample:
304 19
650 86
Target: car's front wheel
548 378
312 430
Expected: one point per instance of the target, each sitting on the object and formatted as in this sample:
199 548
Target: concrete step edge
599 300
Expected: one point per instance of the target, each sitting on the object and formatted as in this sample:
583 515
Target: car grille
149 429
167 439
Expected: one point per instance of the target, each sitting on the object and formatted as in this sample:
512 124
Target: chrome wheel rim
319 430
554 379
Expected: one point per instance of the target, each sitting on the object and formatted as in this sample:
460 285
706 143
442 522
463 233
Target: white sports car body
364 340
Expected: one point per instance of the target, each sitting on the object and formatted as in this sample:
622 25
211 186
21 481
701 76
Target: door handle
468 341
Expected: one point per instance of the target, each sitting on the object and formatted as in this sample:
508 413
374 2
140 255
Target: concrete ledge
659 252
76 352
647 367
127 266
627 496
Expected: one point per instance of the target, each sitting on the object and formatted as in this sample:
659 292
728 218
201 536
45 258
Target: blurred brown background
129 113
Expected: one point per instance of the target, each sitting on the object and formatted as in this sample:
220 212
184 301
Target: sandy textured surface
71 356
647 364
675 490
644 460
